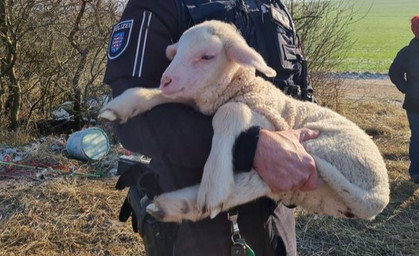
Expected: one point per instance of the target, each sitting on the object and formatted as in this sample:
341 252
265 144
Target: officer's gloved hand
143 185
125 212
139 174
134 206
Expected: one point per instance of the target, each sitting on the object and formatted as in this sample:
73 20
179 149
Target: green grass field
380 30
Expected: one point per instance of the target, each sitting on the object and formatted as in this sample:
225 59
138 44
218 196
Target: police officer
178 140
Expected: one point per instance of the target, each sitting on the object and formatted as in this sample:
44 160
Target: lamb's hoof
215 212
215 188
108 115
212 206
210 201
173 210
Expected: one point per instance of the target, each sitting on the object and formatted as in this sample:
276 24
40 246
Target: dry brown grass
70 215
15 138
64 216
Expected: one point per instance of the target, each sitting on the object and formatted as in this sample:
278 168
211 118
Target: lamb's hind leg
181 204
247 187
176 206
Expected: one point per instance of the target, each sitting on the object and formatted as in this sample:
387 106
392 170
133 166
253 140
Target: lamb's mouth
172 94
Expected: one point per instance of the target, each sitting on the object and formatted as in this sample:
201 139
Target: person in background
404 73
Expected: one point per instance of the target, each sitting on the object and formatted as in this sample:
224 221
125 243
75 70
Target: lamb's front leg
133 102
217 180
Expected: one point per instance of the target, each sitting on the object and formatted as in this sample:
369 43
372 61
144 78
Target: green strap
249 251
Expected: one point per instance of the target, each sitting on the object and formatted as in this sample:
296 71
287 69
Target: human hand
282 161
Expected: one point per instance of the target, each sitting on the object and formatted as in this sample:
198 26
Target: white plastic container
88 144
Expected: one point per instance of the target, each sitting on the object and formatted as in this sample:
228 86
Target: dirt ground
371 89
67 215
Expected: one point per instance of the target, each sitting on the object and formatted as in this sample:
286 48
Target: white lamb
214 69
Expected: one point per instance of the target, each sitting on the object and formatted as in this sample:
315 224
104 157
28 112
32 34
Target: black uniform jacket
404 73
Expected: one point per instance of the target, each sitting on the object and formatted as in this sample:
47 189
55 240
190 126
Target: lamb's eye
207 57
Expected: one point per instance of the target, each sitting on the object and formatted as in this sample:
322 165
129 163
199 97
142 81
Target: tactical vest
267 26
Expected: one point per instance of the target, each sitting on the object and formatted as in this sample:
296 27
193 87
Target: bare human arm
283 163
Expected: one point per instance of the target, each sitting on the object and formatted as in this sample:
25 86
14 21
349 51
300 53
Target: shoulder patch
120 37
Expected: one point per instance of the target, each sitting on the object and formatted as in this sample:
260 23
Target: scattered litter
113 171
88 144
48 158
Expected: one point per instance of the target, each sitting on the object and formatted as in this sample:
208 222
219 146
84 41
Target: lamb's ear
243 54
171 51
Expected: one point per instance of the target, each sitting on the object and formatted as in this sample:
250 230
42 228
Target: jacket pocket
284 37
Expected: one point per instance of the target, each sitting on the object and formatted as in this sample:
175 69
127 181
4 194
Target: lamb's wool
356 182
349 163
353 172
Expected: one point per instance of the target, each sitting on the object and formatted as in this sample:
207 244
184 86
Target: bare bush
54 51
323 30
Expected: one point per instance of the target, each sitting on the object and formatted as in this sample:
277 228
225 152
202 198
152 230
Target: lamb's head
208 55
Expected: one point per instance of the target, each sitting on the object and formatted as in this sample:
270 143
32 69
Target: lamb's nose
165 81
